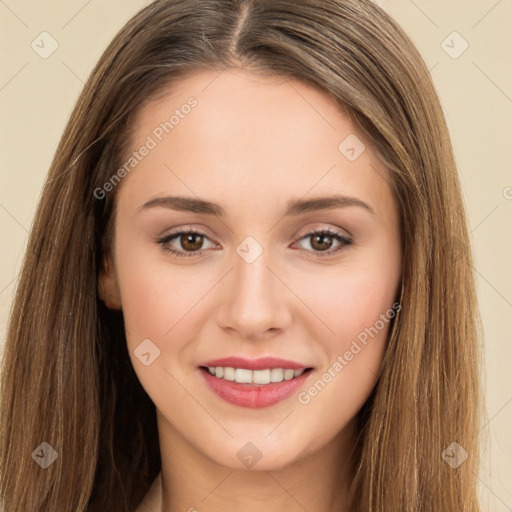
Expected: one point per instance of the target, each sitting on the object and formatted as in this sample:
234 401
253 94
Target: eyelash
343 240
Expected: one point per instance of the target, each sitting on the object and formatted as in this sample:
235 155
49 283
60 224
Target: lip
261 363
254 396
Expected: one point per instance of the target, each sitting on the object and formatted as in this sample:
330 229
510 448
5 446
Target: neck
194 482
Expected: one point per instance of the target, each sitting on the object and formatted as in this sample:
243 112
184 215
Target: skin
251 145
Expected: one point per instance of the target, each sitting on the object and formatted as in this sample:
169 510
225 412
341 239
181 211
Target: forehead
237 106
250 133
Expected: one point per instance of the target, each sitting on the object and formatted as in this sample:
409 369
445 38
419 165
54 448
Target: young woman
248 285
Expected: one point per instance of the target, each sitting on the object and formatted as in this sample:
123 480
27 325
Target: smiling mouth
254 377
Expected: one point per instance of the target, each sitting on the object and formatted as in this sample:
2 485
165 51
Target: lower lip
253 396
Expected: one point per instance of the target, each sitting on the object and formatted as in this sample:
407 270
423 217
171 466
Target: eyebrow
294 206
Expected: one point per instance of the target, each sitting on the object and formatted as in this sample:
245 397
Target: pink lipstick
254 383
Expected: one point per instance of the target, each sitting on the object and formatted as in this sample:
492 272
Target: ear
108 290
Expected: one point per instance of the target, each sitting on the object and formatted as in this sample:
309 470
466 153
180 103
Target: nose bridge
256 301
253 280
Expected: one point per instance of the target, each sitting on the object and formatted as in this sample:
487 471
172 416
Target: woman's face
252 168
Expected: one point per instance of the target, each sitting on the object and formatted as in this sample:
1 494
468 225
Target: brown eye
321 241
185 243
191 241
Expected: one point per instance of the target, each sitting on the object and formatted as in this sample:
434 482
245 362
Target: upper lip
262 363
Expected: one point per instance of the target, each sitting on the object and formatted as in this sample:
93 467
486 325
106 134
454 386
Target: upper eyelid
330 231
182 231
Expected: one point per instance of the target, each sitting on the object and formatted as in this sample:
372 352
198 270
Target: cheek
165 304
350 299
357 306
150 308
156 296
340 388
157 306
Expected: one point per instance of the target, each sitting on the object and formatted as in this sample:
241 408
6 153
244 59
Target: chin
260 454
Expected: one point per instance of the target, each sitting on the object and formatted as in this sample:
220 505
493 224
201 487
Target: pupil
320 242
187 241
323 241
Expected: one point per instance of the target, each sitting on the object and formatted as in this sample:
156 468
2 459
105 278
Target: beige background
37 95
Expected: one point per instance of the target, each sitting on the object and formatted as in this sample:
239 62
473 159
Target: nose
255 302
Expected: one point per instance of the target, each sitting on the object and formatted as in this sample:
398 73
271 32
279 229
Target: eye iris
187 241
321 241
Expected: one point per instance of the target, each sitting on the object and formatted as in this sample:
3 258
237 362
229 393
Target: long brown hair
67 379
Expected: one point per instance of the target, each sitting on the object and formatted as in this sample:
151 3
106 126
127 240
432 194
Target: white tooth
243 376
288 374
276 375
261 376
229 373
298 373
219 371
211 369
